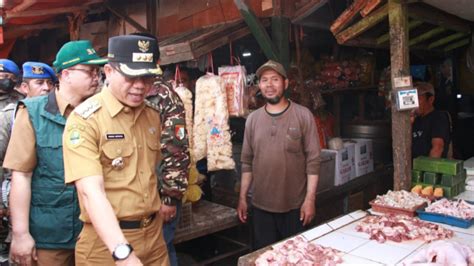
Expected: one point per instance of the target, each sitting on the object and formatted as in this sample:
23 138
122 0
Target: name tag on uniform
112 136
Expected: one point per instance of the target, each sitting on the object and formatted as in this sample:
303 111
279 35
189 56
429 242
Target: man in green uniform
44 210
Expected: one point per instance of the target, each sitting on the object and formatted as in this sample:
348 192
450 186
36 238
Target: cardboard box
344 165
363 155
327 170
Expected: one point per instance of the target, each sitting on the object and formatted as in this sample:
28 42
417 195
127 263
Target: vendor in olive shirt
280 160
431 128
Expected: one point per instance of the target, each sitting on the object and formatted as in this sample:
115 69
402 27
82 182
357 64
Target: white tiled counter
358 249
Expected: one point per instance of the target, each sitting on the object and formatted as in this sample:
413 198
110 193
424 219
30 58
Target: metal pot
380 132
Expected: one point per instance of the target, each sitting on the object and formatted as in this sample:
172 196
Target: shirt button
126 109
146 195
119 151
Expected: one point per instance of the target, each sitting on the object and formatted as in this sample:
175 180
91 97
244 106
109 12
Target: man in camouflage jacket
173 171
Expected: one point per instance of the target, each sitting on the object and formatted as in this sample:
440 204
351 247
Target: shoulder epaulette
87 108
9 107
152 104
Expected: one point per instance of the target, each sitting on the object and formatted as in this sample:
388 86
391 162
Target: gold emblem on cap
38 70
143 46
142 57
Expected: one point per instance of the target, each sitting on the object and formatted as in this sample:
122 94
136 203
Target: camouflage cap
273 65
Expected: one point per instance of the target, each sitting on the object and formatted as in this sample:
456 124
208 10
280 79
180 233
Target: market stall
355 247
399 228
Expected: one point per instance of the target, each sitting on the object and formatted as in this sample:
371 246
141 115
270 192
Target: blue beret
9 66
37 70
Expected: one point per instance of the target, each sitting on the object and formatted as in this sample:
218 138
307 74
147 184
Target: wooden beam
257 29
411 25
19 31
369 7
427 35
347 16
151 16
400 66
306 10
366 43
446 40
51 11
435 16
363 25
456 45
129 20
281 37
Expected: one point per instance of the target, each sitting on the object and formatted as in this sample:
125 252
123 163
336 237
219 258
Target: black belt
145 222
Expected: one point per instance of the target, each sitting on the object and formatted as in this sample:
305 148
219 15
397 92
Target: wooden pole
411 25
401 127
258 30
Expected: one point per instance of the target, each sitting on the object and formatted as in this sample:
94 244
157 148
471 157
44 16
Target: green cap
77 52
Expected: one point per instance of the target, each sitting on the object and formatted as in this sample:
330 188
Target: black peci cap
134 55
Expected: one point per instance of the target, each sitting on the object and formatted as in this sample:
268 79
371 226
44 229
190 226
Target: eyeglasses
92 73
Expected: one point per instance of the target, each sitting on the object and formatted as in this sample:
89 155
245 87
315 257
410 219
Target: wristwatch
167 200
122 251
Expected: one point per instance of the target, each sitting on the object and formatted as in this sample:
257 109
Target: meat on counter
298 251
459 208
398 228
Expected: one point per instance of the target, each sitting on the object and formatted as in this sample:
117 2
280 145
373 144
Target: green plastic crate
451 180
449 192
431 178
441 166
416 176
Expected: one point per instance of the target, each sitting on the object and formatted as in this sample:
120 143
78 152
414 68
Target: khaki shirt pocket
116 159
293 140
154 148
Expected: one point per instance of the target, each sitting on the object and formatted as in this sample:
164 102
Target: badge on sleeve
74 138
179 132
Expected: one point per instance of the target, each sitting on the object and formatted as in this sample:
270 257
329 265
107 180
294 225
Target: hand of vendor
167 212
242 210
23 251
307 212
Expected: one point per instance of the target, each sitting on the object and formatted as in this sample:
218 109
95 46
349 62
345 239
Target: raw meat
400 199
460 208
400 228
211 124
443 253
298 251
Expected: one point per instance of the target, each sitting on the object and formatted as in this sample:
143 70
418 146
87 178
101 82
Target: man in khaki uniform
111 148
44 211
